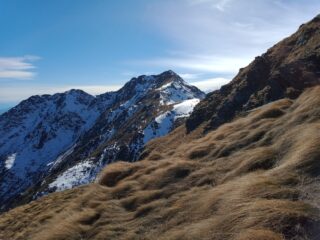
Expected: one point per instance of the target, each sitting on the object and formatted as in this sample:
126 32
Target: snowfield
10 161
164 123
74 176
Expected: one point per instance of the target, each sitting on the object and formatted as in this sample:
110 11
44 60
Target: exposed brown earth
254 178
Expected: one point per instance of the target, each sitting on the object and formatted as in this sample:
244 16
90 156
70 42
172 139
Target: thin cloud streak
218 4
227 26
216 37
227 29
209 64
18 68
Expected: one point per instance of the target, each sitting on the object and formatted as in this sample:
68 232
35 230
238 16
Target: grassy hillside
256 177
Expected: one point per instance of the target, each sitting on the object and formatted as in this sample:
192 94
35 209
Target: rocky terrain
285 70
52 143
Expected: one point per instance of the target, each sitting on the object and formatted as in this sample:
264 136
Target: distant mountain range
55 142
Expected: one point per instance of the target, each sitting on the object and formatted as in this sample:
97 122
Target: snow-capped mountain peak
55 142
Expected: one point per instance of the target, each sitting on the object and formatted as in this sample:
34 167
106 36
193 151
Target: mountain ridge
75 121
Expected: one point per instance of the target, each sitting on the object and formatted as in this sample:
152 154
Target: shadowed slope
254 178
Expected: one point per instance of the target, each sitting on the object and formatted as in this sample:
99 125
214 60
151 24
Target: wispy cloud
211 84
190 76
221 5
240 29
20 68
202 63
218 4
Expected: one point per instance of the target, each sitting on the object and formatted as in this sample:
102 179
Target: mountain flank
285 70
55 142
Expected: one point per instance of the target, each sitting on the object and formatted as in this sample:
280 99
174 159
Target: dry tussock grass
254 178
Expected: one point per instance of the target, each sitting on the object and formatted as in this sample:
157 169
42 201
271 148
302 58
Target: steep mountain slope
254 178
35 132
283 71
145 108
56 142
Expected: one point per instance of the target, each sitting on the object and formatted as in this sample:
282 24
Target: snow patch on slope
175 92
164 123
76 175
185 108
10 161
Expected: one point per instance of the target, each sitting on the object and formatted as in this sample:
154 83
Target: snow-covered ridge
36 132
176 91
72 135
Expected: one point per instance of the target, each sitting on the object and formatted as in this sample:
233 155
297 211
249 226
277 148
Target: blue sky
97 45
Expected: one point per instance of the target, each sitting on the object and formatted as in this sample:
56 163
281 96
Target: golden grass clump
257 177
116 172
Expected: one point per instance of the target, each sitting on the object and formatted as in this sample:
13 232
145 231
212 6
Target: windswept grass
257 177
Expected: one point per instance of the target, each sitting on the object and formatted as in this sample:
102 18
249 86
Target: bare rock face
285 70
